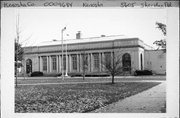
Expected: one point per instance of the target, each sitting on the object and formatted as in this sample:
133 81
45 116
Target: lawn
59 80
69 98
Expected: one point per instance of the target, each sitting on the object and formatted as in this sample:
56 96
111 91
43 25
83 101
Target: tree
18 51
113 64
84 64
161 43
18 56
162 27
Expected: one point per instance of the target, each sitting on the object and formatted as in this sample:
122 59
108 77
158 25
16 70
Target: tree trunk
112 79
83 76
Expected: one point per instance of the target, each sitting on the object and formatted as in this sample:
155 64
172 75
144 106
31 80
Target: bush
75 75
86 75
36 73
89 75
143 72
59 74
97 75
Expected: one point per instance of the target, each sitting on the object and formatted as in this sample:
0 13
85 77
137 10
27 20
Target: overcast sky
46 24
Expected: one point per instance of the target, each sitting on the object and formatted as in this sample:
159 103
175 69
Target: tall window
96 61
28 65
64 62
85 61
107 57
44 60
141 62
74 62
54 65
126 59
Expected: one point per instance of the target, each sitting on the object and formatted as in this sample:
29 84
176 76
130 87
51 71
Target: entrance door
28 66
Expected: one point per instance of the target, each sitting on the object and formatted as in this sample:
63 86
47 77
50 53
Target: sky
39 24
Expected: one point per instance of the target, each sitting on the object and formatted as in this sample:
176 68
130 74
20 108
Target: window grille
96 61
54 65
74 62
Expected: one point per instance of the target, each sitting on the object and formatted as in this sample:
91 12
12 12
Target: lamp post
62 50
66 75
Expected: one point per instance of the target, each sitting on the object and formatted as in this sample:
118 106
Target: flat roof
85 40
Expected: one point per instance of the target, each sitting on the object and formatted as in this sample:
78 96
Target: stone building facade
134 54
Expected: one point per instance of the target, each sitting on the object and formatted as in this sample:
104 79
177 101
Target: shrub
86 75
75 75
36 73
59 74
143 72
97 75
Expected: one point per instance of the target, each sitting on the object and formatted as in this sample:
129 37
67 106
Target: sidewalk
150 101
76 80
116 77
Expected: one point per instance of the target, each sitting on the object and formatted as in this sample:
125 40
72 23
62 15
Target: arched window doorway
126 61
28 66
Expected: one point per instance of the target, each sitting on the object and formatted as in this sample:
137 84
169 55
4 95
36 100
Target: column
100 62
91 57
50 64
57 63
47 63
78 62
111 58
89 63
103 61
38 63
69 63
60 63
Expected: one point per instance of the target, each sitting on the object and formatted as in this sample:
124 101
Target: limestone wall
155 60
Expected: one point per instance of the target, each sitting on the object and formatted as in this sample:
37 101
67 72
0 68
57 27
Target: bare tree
84 64
112 64
19 50
17 47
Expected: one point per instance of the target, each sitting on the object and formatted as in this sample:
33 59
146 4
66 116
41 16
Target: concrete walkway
149 101
116 77
76 80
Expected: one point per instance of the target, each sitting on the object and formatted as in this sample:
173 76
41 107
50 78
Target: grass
58 80
68 98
